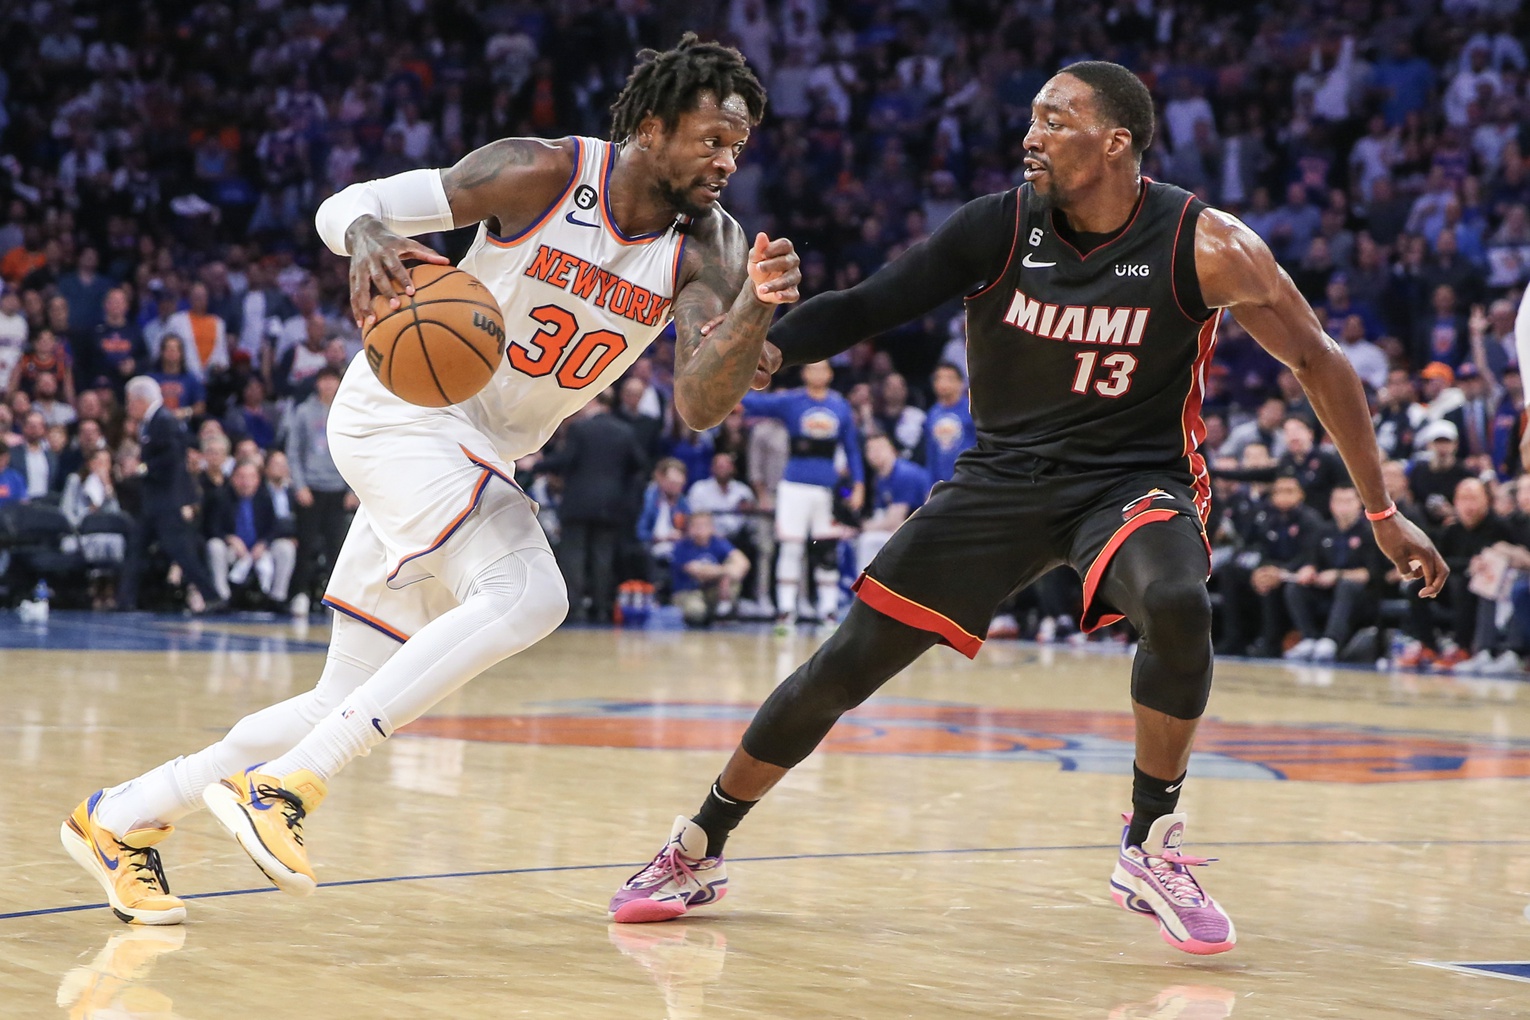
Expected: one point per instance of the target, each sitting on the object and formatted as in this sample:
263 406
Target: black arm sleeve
964 254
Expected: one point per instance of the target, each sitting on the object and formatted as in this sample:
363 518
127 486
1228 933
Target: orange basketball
440 346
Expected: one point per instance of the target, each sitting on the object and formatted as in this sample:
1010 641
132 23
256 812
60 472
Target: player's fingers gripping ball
440 346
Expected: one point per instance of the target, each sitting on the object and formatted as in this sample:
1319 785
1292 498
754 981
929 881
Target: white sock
509 606
174 789
828 593
352 729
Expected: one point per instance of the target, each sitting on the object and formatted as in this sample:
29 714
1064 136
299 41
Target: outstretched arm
735 290
1238 272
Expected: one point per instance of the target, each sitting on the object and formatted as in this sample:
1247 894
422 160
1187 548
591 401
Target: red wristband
1390 511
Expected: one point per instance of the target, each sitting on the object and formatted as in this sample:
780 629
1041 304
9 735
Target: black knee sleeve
1172 672
823 554
865 652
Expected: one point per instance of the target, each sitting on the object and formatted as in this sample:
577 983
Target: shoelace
1172 872
669 865
292 808
146 859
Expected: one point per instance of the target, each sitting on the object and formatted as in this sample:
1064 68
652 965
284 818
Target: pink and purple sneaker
680 878
1154 879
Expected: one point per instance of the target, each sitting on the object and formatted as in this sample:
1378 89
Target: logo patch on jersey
1139 269
1078 324
589 282
820 423
1031 263
947 431
1142 503
584 198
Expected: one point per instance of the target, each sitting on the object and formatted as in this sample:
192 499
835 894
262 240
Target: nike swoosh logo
579 223
377 724
110 862
1033 264
1171 789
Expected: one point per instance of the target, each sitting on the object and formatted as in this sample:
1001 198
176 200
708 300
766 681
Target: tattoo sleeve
712 373
484 183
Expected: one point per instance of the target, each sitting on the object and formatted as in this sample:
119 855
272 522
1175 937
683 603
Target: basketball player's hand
774 270
1412 553
377 265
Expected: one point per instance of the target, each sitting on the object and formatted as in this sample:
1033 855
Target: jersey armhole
520 235
1014 242
1184 281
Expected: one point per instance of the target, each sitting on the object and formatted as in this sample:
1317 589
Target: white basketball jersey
581 302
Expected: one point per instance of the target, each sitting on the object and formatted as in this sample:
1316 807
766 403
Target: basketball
440 346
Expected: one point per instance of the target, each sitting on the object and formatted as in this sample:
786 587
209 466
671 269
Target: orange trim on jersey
515 239
1013 244
1141 201
470 455
674 290
606 216
905 610
1096 571
349 610
451 528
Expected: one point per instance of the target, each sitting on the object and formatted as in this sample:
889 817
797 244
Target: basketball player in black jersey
1093 296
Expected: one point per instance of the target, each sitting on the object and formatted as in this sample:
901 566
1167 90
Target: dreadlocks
667 84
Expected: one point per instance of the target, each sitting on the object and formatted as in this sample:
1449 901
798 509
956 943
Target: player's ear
1118 143
650 130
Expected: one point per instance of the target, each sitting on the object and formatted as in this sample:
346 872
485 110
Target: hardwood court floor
947 855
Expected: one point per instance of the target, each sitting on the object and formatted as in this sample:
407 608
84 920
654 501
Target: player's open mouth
1033 169
712 188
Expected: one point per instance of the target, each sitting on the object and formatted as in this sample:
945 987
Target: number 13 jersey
1099 357
581 301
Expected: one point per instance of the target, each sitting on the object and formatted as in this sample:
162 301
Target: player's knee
544 605
1178 621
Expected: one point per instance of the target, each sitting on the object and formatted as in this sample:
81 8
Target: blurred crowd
160 163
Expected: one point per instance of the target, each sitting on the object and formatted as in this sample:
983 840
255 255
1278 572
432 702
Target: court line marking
552 869
1471 968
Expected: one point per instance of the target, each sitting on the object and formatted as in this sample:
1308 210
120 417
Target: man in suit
602 464
169 501
243 537
34 459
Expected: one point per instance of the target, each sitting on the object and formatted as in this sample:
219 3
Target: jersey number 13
1115 371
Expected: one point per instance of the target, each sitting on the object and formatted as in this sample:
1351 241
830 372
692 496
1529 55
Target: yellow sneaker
265 814
128 867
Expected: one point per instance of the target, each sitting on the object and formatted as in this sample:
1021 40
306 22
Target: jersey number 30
1118 368
549 347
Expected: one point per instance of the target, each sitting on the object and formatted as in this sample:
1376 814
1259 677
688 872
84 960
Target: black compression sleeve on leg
865 652
1158 579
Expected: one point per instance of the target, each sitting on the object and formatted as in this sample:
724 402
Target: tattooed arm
721 277
507 183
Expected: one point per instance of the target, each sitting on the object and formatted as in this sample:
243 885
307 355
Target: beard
680 198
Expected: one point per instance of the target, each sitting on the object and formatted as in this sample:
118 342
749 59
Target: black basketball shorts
1006 519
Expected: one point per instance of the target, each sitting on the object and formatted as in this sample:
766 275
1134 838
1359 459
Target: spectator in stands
1474 419
169 503
206 335
277 477
1264 428
898 487
243 540
1368 360
1398 415
89 491
1440 393
663 516
84 289
253 417
1334 591
1473 527
1435 477
896 417
117 351
1319 470
181 390
13 331
948 428
35 460
45 358
322 497
13 484
726 498
706 572
601 465
295 371
1286 532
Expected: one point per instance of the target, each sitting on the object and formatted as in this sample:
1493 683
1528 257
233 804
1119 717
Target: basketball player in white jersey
590 247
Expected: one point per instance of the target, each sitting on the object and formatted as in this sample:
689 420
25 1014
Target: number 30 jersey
1096 357
581 302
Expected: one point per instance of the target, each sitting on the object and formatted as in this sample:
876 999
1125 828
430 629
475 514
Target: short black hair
1124 100
668 84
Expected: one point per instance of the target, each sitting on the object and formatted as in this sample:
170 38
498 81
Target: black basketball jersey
1095 358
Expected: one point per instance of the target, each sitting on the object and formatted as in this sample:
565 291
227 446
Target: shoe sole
84 855
226 807
1129 901
646 911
